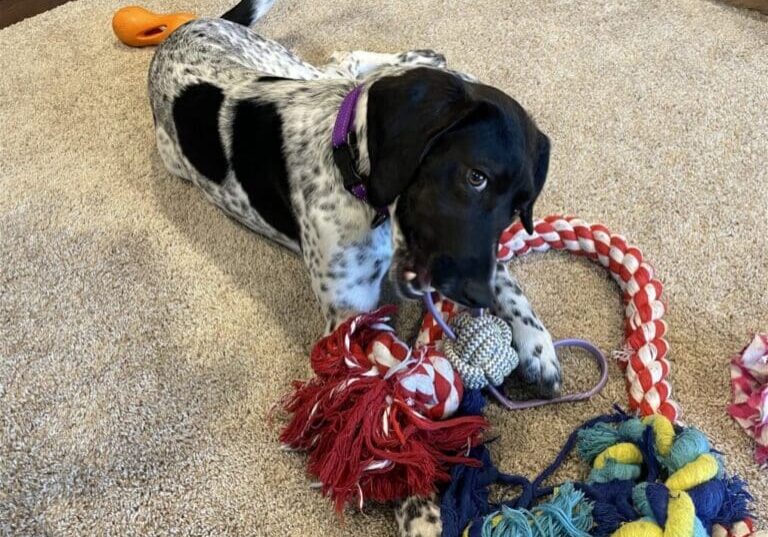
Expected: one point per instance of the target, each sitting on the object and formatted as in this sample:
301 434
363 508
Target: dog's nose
463 281
476 294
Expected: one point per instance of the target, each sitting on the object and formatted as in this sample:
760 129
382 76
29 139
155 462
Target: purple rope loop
599 357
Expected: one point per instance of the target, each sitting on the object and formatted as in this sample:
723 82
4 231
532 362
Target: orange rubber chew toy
139 27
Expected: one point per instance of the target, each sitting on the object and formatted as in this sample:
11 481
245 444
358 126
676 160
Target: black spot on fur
259 162
529 321
432 518
516 313
377 271
271 79
373 278
538 350
413 511
196 115
309 189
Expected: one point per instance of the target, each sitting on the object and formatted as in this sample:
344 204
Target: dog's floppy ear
540 168
542 161
406 114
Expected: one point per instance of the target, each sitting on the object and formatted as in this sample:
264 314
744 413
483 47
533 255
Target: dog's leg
419 516
359 63
346 283
346 274
538 361
334 317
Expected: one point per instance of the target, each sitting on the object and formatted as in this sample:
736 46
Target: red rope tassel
364 438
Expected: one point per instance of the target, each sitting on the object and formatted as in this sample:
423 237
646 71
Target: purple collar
345 153
345 120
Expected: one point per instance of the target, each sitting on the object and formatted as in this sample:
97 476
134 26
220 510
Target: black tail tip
247 12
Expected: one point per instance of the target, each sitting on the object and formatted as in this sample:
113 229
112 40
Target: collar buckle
346 155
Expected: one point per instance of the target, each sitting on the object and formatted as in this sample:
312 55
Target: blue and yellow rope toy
648 478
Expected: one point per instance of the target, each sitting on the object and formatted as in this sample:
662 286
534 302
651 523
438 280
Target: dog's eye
477 180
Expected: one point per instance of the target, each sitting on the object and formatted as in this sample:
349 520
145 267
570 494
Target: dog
374 164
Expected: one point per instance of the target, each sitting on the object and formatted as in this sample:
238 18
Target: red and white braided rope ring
644 357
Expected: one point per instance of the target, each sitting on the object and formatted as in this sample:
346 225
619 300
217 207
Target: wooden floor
15 10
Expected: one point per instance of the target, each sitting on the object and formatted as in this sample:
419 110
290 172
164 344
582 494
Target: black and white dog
452 161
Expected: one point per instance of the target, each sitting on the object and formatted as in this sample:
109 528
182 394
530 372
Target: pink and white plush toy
749 380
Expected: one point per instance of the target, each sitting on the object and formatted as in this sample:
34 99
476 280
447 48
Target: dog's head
462 161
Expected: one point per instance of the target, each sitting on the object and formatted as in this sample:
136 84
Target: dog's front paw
538 361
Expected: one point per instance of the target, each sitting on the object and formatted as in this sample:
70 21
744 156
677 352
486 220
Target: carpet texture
144 336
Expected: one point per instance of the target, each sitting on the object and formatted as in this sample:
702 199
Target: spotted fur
419 517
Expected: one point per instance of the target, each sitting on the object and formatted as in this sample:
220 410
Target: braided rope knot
684 491
482 352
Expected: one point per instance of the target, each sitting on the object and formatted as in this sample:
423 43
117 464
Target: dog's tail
248 11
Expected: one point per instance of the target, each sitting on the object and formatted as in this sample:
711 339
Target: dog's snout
476 294
465 283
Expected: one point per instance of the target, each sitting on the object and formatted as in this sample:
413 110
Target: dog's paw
419 516
538 361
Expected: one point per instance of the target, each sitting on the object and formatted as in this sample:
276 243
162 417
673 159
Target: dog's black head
462 160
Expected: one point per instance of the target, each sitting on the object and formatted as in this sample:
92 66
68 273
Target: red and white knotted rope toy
644 357
375 419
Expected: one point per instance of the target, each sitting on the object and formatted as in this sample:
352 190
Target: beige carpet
144 336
